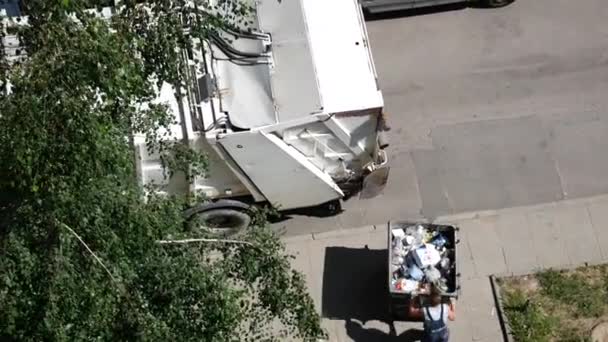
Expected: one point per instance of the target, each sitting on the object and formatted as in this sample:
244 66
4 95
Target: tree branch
185 241
88 249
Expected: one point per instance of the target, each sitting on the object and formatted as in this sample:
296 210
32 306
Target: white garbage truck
288 113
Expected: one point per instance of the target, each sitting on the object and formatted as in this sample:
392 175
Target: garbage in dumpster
420 256
414 272
426 256
406 285
445 264
442 285
432 275
439 240
398 233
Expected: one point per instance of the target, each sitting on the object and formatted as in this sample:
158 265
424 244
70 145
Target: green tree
80 256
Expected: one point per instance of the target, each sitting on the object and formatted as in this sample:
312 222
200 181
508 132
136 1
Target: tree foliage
79 251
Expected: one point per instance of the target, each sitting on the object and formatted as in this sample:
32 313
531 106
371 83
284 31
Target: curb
297 238
329 234
343 232
502 318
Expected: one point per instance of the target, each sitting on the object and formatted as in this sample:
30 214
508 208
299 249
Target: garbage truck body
288 113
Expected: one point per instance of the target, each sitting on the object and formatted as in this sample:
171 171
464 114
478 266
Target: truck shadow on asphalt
355 290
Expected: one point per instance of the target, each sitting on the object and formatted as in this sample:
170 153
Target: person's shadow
358 333
355 290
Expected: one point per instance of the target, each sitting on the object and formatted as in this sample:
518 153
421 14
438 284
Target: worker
436 315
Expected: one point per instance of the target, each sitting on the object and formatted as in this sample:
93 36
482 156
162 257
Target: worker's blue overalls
435 330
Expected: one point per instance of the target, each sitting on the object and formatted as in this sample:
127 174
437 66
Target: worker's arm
415 311
451 311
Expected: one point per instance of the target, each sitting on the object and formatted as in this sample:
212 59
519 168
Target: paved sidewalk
346 269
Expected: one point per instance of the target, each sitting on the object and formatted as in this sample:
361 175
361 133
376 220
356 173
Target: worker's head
435 296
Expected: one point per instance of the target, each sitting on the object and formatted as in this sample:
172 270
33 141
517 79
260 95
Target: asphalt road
489 109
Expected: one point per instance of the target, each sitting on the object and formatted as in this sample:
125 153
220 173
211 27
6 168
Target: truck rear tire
495 3
224 217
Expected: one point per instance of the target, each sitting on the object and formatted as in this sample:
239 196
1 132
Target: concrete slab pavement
599 222
575 228
346 269
546 240
486 249
515 233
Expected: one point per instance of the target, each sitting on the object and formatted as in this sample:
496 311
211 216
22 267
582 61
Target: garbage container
420 254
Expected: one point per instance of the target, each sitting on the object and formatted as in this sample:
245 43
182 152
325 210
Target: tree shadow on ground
355 290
